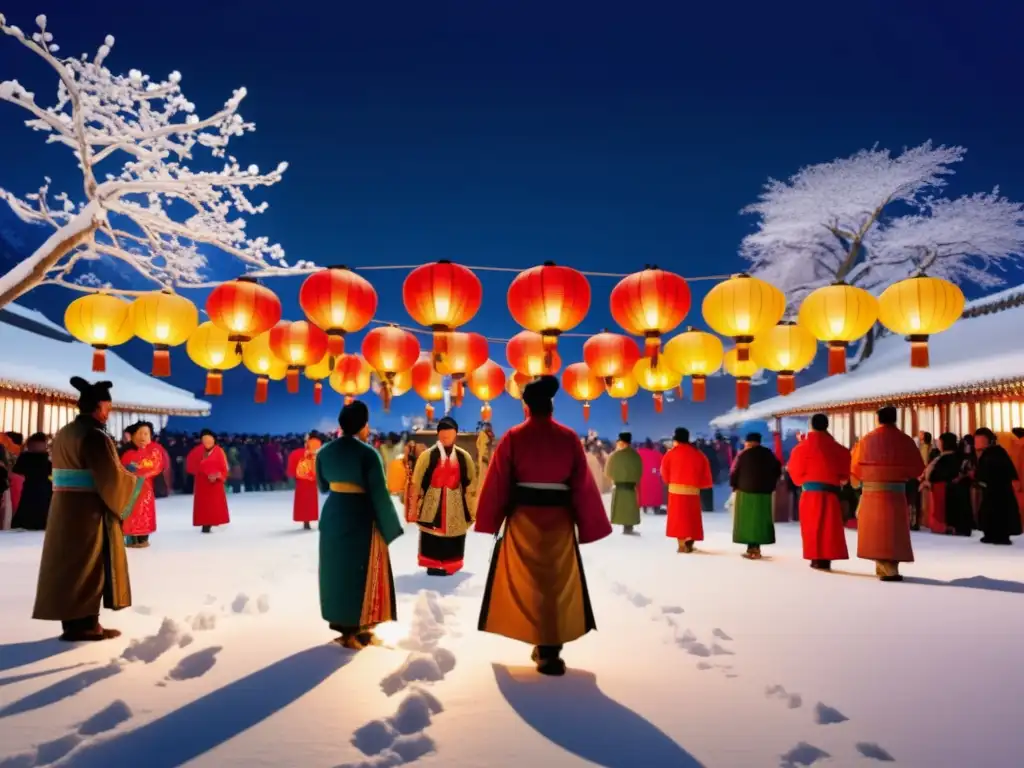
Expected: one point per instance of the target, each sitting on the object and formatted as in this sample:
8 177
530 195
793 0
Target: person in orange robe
1017 455
540 492
302 469
883 461
686 471
820 467
209 464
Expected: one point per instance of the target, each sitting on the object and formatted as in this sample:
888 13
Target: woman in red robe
208 463
540 487
686 471
144 459
302 469
820 467
651 491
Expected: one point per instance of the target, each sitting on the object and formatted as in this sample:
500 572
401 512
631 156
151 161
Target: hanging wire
477 268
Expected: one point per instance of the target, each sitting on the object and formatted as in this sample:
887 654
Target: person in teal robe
359 521
753 476
625 468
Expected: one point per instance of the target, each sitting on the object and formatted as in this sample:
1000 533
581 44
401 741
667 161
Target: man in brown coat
84 561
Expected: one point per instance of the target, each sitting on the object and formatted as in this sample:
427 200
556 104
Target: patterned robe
148 462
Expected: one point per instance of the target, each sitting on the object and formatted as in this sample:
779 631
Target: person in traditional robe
484 448
819 466
883 461
84 563
948 498
33 504
707 495
998 514
443 484
302 469
651 491
413 450
1017 455
595 463
625 468
685 470
541 493
144 459
754 475
208 464
357 588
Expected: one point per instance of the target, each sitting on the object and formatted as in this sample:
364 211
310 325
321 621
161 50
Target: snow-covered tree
133 139
873 219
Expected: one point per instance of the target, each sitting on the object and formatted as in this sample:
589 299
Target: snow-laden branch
165 198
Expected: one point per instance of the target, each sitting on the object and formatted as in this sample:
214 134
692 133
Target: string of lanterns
245 327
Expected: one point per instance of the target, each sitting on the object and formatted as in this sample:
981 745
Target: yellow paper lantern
622 388
920 307
743 307
743 371
317 373
785 349
696 354
212 348
657 379
165 320
838 314
260 359
101 321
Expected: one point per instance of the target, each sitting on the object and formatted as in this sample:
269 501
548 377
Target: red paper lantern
390 351
297 344
650 303
351 377
486 383
610 355
244 309
442 296
549 300
464 353
338 301
526 353
581 384
428 384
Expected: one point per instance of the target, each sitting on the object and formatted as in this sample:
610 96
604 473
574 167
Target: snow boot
548 660
87 630
307 527
436 572
627 530
753 552
207 529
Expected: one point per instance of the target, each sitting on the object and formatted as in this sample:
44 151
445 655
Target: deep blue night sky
601 135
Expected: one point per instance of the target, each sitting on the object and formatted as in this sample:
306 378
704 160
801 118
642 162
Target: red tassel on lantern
743 349
742 394
679 392
292 380
349 399
214 383
161 362
485 412
335 344
624 411
836 357
440 346
318 392
586 411
785 383
262 388
919 352
659 402
700 388
430 413
99 359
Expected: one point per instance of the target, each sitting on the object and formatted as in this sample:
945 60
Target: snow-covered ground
705 659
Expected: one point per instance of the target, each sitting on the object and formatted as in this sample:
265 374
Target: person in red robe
541 493
651 491
209 464
686 471
144 459
302 469
883 461
820 467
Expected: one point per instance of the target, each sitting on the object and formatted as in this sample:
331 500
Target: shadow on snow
16 655
414 583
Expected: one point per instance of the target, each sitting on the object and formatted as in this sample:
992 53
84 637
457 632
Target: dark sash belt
822 488
626 486
523 496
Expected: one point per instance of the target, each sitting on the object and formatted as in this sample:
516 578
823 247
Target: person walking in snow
686 471
753 476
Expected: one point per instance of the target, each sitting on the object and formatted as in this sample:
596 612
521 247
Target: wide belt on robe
872 486
626 486
74 480
821 488
346 488
683 490
541 495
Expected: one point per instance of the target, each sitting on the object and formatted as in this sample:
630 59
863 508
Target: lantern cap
247 279
840 282
340 267
549 263
787 322
740 275
444 261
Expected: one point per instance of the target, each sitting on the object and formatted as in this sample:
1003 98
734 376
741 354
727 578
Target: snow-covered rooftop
980 349
40 355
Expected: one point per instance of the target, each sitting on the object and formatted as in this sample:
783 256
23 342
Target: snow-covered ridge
45 364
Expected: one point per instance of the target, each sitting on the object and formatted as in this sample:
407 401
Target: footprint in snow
703 665
671 610
49 752
826 715
640 601
398 739
195 664
145 610
793 700
151 648
803 754
698 649
717 650
872 751
107 719
720 634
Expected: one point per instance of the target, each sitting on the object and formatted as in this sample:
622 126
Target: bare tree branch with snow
141 204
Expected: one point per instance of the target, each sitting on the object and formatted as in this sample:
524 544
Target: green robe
752 521
347 526
625 469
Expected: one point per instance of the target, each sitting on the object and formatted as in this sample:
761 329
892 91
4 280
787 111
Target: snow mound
419 667
107 719
204 621
398 739
427 626
872 751
151 648
803 754
826 715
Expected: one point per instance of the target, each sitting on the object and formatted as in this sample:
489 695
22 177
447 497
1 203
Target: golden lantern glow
317 373
428 384
526 353
581 384
515 383
101 321
920 307
696 354
165 320
398 386
785 349
463 353
486 383
657 379
622 388
212 348
741 308
258 358
351 376
838 314
743 371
